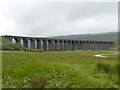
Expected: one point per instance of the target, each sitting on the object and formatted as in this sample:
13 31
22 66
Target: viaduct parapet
48 44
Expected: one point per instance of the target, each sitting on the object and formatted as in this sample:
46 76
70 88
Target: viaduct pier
49 44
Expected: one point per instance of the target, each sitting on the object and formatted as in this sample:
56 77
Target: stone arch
93 45
45 45
56 47
21 42
82 45
65 45
50 45
73 45
25 42
69 45
76 45
102 45
61 45
32 43
85 45
98 45
15 40
39 44
79 45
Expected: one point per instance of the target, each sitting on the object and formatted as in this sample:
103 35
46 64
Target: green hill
111 36
4 40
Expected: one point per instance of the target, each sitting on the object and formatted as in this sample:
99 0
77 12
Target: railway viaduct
48 44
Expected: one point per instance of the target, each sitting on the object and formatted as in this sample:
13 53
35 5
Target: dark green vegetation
3 41
17 47
112 36
66 69
12 47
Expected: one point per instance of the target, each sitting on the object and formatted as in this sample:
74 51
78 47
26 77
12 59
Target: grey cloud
83 10
55 18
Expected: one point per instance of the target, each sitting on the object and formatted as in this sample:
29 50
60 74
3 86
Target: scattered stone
99 56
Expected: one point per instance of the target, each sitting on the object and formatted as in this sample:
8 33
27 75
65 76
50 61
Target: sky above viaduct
43 18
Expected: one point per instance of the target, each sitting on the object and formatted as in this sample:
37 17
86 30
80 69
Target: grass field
67 69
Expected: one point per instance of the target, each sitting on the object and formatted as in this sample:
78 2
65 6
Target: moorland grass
66 69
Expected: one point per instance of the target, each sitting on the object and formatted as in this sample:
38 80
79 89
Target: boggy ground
66 69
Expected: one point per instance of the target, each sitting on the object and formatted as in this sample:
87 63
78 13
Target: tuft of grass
118 68
39 82
107 68
103 67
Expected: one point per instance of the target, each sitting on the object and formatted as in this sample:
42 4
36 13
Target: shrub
103 67
5 47
41 50
32 50
25 49
39 82
18 47
35 50
12 47
107 68
118 69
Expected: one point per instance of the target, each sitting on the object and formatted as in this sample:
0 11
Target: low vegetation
39 82
67 69
17 47
107 68
11 47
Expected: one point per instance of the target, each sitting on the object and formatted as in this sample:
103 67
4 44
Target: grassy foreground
68 69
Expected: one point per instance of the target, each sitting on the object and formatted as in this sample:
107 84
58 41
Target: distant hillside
111 36
3 40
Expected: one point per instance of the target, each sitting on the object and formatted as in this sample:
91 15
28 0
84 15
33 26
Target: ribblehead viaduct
48 44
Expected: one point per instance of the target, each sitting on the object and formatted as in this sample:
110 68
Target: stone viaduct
48 44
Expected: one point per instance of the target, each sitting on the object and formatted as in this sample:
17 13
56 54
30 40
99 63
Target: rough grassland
66 69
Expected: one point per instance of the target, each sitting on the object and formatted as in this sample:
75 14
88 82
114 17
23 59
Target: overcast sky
57 18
